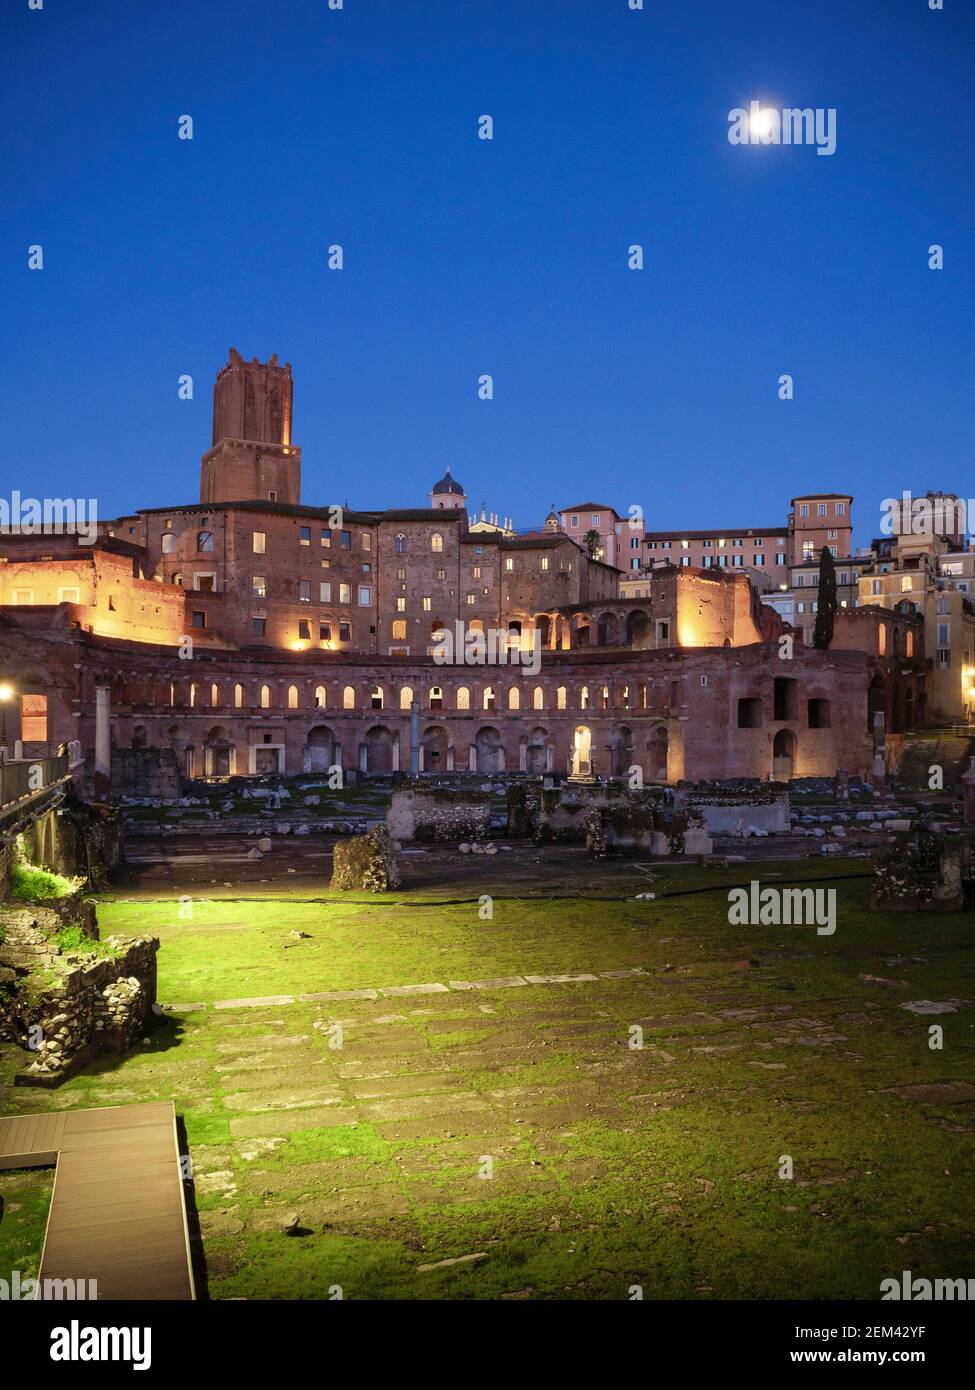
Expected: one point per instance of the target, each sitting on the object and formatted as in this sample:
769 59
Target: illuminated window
399 630
292 697
259 542
321 697
214 695
265 697
238 697
426 603
514 698
33 718
348 697
488 698
376 697
436 542
463 697
258 586
560 697
538 698
436 697
406 697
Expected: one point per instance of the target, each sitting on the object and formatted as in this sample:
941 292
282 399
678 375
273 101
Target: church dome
447 484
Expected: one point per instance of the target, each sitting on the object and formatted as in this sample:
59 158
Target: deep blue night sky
509 257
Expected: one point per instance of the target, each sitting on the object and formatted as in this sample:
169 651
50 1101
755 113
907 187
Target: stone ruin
437 814
741 807
66 1006
607 816
366 863
923 871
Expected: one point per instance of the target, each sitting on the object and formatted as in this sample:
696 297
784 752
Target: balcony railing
21 780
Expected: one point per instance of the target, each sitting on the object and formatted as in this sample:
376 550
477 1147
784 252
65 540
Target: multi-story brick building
250 633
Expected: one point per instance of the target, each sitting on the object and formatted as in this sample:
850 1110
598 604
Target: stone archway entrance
435 749
659 746
490 754
219 754
319 749
582 752
783 755
379 749
536 753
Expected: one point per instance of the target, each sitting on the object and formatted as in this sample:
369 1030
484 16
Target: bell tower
252 457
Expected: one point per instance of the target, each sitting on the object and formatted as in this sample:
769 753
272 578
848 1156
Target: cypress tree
825 601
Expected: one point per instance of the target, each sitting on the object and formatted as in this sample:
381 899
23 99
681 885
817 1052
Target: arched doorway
622 750
379 749
435 749
659 748
219 754
319 749
582 752
487 745
606 630
783 755
579 631
638 629
536 753
876 702
543 626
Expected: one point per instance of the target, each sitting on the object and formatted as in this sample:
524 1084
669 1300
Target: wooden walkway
117 1211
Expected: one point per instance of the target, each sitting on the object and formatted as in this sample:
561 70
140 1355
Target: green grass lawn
610 1166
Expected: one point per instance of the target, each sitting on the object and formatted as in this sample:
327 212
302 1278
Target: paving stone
335 994
414 989
285 1122
559 979
270 1001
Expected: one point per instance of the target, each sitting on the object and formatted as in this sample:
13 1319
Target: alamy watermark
765 125
756 906
926 1290
938 514
50 516
499 646
18 1289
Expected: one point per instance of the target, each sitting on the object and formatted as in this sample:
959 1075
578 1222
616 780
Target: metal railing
19 780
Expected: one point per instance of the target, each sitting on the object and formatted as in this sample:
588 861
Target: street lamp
6 695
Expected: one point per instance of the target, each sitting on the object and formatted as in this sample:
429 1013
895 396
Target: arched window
204 542
538 698
172 694
488 697
400 545
238 697
376 697
910 643
214 694
168 543
406 697
192 694
436 542
265 697
292 697
463 697
584 697
604 697
560 697
514 697
320 697
178 579
348 697
436 697
882 636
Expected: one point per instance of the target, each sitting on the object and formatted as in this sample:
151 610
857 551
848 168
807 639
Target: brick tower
252 458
